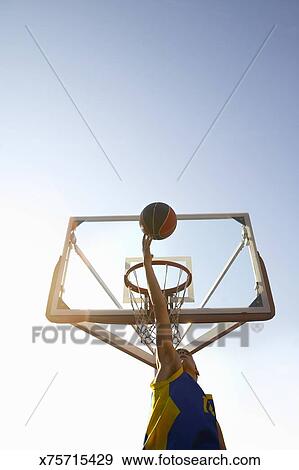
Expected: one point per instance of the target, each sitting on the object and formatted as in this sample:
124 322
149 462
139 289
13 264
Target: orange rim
171 290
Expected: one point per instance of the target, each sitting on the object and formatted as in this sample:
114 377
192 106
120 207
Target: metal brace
245 236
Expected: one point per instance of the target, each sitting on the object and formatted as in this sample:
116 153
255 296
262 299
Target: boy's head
188 363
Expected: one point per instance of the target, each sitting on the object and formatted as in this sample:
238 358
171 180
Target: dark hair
183 349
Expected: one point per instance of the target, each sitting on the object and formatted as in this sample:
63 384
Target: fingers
146 241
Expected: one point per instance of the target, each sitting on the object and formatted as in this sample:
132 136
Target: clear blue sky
149 78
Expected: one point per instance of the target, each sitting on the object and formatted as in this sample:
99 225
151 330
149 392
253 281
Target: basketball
158 220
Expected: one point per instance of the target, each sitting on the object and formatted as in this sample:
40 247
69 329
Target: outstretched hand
146 248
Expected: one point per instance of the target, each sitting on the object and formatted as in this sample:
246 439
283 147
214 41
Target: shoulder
164 377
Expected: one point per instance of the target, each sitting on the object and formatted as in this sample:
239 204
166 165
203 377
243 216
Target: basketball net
144 310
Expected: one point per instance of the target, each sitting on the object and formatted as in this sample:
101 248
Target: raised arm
168 360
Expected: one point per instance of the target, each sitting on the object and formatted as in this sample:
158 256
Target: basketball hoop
142 305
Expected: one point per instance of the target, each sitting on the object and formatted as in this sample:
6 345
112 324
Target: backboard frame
259 309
